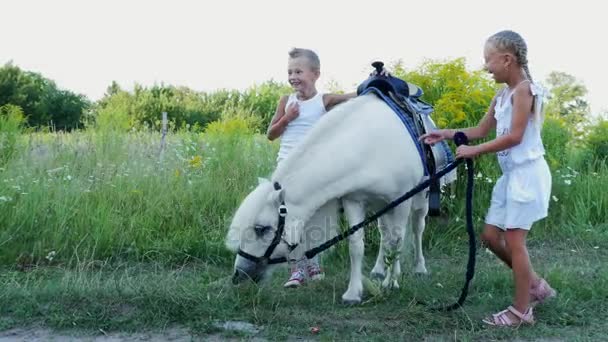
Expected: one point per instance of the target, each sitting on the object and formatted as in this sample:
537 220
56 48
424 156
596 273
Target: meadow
102 231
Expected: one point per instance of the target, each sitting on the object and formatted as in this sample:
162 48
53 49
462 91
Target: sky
207 45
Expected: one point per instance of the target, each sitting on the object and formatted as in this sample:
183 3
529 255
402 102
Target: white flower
452 196
5 199
479 175
488 179
555 199
567 182
51 255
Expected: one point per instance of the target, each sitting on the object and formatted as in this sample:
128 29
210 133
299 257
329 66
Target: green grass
99 230
148 297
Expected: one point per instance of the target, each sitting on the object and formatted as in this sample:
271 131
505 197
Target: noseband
278 237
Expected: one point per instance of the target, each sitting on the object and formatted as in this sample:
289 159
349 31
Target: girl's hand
433 137
466 151
292 111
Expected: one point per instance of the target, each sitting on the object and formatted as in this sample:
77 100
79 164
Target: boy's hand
292 111
384 73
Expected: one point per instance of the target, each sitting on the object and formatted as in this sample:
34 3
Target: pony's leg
355 213
420 209
378 270
395 225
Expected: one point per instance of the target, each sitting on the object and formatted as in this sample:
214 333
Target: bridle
279 237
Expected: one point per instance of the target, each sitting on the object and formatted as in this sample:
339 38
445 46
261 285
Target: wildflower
488 179
5 199
479 175
567 182
196 162
68 178
51 255
452 196
555 199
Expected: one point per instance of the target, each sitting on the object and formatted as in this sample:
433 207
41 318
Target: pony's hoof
377 276
422 275
350 302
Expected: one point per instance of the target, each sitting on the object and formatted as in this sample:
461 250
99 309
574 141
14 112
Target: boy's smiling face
301 76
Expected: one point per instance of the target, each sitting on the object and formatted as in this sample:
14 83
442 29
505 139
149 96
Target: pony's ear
232 240
277 196
262 180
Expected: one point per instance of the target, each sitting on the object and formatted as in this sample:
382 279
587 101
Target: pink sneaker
296 279
315 272
541 293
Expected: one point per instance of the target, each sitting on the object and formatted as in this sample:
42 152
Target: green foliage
556 137
11 122
187 108
40 99
460 97
567 98
597 140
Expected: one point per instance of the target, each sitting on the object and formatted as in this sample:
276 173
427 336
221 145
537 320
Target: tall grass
100 195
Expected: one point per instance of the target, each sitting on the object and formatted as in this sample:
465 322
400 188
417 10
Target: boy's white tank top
531 146
311 111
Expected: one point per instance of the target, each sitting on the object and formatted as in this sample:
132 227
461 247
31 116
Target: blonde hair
313 58
510 41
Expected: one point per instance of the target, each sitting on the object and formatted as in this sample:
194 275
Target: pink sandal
502 319
541 293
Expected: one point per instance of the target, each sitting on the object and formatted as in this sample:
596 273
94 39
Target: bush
11 122
556 138
597 140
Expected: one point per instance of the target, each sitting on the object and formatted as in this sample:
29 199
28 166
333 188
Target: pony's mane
330 120
250 207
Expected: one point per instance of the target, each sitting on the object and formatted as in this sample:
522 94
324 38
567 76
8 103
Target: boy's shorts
521 196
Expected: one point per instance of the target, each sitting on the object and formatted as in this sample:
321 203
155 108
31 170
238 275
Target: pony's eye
260 230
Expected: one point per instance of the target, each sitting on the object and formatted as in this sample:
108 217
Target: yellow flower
177 173
196 162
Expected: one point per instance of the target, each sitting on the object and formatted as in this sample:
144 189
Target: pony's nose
239 276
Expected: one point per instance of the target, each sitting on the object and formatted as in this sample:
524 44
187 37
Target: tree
567 98
42 102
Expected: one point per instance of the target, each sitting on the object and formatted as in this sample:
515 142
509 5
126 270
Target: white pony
359 153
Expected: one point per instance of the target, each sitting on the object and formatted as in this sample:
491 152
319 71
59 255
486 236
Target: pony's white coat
359 153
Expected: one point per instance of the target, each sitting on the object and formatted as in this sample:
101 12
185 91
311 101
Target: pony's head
259 234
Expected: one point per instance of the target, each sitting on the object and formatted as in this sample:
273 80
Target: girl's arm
487 123
522 106
482 129
279 121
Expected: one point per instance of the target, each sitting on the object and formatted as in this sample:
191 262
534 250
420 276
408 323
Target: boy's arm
278 122
332 100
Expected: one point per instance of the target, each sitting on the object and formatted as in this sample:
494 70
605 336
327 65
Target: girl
521 195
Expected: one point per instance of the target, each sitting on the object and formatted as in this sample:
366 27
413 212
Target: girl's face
300 75
497 63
